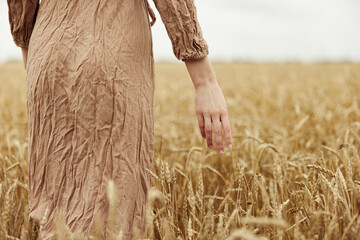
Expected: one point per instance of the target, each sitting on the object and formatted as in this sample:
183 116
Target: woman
90 91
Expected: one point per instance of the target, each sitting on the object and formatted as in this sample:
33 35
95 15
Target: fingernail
221 151
229 146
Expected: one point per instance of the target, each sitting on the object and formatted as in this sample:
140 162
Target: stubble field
293 171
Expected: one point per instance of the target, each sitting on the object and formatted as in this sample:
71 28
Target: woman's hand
211 109
24 55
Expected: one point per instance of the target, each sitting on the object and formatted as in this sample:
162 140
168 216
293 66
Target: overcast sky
257 30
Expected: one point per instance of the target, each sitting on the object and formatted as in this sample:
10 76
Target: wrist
201 72
208 80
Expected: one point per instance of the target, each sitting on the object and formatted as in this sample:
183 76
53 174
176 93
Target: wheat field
293 171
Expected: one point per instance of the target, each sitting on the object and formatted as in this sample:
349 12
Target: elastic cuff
21 44
195 57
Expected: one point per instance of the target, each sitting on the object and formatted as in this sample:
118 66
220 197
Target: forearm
24 52
201 72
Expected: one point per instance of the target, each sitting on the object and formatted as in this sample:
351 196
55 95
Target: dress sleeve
182 25
22 16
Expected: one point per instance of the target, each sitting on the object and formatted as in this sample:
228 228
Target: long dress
90 100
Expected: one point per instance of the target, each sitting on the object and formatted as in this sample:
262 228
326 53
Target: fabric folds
179 17
182 25
22 16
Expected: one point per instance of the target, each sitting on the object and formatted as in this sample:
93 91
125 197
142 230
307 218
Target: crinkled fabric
90 100
183 28
22 15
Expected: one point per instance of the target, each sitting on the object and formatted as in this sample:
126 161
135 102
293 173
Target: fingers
209 123
227 130
218 134
201 124
208 130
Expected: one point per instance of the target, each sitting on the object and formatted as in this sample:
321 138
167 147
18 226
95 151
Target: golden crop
293 171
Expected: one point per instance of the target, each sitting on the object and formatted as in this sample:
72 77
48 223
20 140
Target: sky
256 30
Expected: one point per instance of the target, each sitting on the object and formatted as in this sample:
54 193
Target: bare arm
211 109
24 56
189 45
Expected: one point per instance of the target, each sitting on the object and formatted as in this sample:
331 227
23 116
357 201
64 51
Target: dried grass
293 171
